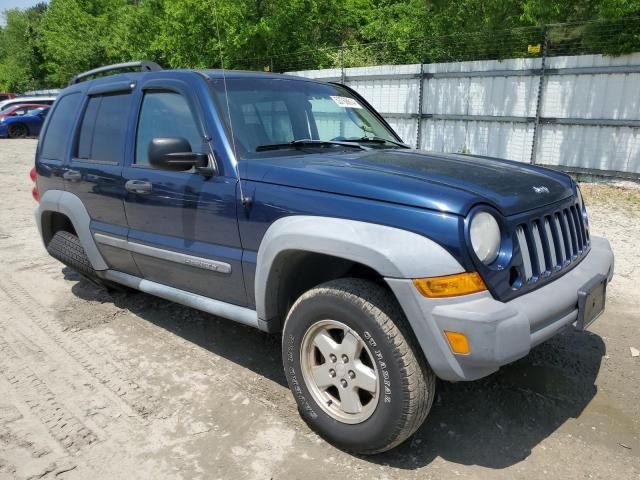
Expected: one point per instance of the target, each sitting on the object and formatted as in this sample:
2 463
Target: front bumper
4 131
498 332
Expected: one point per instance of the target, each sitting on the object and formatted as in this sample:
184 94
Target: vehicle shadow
245 346
494 422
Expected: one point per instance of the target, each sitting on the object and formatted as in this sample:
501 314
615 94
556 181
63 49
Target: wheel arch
300 252
60 210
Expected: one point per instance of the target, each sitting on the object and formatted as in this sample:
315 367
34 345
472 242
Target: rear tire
368 316
66 247
18 130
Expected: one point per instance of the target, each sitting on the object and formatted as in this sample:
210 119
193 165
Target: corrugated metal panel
396 90
498 96
601 148
504 140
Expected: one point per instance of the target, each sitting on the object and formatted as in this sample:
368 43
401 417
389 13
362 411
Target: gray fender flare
71 206
390 251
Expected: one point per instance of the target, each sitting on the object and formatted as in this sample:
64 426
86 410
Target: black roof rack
145 66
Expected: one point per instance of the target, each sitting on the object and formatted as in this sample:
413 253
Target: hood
445 182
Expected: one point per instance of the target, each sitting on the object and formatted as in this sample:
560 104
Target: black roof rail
145 66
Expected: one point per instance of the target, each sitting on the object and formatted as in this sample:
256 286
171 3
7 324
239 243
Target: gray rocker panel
392 252
230 311
71 206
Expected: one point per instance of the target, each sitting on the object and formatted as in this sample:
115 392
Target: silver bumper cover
498 332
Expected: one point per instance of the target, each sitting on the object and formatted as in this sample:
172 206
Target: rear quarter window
56 137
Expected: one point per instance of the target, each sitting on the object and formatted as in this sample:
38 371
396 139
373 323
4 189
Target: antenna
243 199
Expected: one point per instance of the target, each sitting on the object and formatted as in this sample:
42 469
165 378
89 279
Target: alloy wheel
340 371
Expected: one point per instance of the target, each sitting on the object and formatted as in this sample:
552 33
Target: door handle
72 175
138 186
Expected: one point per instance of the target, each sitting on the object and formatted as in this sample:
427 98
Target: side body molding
71 206
391 252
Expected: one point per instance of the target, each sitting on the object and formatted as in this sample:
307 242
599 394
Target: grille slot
537 243
551 242
562 242
524 248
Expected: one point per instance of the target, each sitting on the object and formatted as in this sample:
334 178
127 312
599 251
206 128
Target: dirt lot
131 386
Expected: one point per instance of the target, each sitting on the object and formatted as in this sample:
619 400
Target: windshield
275 112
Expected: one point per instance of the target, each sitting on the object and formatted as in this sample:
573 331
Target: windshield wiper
307 143
376 140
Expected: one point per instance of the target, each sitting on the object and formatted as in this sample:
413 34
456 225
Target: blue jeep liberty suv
290 205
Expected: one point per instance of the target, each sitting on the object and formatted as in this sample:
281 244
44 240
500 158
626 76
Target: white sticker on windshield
345 102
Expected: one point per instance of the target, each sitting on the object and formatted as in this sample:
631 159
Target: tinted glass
274 111
104 128
55 140
165 114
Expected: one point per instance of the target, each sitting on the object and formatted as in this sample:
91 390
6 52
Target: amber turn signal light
458 342
450 285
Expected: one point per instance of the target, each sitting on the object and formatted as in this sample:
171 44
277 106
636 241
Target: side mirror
174 153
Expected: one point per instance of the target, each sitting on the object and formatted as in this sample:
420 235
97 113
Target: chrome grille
551 242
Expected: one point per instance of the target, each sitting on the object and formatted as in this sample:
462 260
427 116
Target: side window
165 114
104 128
56 137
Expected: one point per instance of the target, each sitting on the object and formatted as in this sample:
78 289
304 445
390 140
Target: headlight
583 209
484 232
580 200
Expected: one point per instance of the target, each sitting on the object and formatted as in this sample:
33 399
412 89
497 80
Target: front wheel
351 363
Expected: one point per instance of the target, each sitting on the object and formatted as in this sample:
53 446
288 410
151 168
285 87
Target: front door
183 228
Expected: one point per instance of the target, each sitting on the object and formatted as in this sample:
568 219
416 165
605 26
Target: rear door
183 228
53 147
94 172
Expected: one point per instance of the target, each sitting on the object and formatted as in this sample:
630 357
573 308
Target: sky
6 4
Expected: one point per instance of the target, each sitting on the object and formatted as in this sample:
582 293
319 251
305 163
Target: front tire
351 363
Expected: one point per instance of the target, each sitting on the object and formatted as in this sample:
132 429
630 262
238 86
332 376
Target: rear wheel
17 130
66 247
353 368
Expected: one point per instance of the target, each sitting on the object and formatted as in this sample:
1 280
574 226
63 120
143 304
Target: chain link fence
564 95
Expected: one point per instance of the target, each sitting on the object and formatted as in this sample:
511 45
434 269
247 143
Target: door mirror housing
174 153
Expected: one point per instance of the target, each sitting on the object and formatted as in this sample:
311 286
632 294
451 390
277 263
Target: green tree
21 52
76 36
45 46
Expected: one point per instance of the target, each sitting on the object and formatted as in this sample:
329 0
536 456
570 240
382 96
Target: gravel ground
131 386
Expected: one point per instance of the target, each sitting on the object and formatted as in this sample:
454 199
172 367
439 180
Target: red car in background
21 109
6 96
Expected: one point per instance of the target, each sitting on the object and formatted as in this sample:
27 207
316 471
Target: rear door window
104 128
56 138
